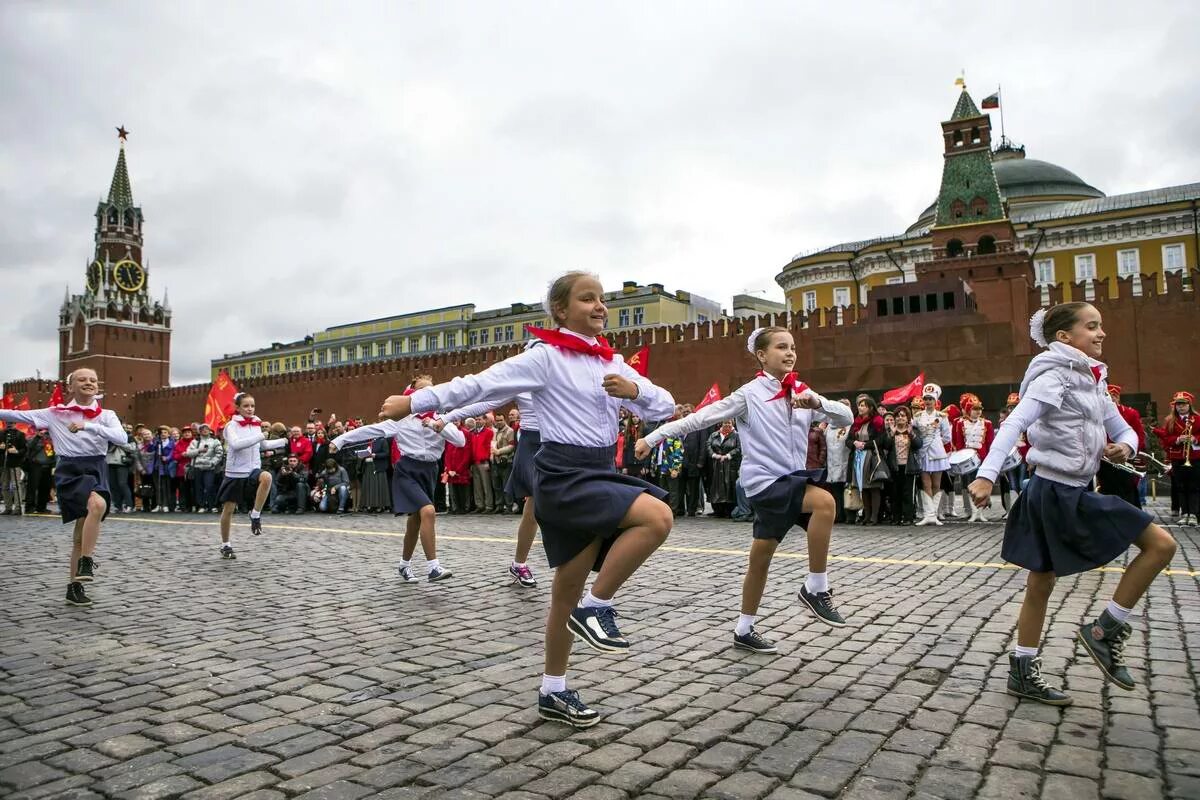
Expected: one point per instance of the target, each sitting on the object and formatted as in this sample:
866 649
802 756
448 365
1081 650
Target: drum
964 462
1012 460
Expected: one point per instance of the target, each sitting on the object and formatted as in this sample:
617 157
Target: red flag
991 101
6 402
23 406
56 396
902 394
640 361
218 408
711 396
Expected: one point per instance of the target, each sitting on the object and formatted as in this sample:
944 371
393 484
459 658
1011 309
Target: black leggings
1189 486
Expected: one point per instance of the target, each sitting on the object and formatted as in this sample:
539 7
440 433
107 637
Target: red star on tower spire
122 134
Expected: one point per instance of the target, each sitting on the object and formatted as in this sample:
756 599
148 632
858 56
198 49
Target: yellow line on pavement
716 551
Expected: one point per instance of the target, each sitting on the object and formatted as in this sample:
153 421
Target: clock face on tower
129 275
94 274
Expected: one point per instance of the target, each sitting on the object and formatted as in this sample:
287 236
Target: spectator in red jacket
300 446
481 466
458 476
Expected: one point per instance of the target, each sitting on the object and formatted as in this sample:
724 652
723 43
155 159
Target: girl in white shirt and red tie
774 414
245 479
591 516
81 431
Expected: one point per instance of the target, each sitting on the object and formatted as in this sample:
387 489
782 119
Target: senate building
1073 233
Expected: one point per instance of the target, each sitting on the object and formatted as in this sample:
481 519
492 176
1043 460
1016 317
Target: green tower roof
120 193
966 108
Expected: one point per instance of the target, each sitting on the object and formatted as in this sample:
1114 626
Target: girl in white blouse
591 516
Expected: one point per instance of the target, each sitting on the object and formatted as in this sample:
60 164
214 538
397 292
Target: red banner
56 396
711 396
640 361
218 408
21 426
905 393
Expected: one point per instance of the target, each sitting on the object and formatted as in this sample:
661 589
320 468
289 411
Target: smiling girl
591 516
81 432
245 479
1057 526
774 413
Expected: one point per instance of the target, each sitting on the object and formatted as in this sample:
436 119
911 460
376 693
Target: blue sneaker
821 604
598 627
565 706
439 574
753 642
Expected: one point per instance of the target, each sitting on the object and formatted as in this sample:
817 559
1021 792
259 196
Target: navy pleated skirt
578 497
238 490
75 478
780 506
520 480
1064 529
413 484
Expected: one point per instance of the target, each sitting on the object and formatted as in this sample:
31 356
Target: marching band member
971 430
935 435
1113 480
1181 439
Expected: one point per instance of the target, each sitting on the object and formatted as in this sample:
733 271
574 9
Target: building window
1085 268
841 296
498 335
483 335
623 318
639 315
360 352
1043 270
1173 258
256 369
414 344
702 317
1127 263
810 302
431 341
472 338
451 340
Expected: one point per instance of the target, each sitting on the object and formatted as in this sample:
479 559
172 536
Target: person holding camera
12 459
206 453
291 487
335 482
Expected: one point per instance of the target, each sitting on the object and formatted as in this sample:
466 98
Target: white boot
924 518
982 515
935 503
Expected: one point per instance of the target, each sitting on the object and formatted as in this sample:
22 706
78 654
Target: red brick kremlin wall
1153 349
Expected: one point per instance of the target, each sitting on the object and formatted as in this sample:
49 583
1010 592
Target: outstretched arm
730 407
363 433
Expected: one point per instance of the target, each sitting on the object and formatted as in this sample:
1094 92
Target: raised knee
662 521
96 504
823 503
264 478
1166 546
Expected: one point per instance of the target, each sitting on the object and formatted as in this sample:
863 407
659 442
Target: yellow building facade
453 328
1074 233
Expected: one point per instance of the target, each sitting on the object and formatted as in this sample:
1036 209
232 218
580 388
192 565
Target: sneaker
754 643
75 595
439 574
227 552
256 525
598 627
1025 680
565 706
1105 640
406 574
522 575
821 604
84 570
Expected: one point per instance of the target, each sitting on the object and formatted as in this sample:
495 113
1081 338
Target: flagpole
1003 137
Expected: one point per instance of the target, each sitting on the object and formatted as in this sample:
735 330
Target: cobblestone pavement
306 669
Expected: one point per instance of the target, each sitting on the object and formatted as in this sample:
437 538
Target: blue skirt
238 490
413 484
75 478
1064 529
780 506
578 497
520 480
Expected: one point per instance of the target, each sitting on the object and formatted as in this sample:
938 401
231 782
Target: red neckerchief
566 341
789 386
89 413
246 423
1097 373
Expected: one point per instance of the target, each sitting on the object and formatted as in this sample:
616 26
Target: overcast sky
302 165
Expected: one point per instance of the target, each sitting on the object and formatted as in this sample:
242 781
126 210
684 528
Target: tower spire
120 193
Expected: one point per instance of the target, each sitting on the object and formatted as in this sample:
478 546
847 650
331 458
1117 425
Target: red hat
1013 399
970 400
952 412
1114 390
1184 397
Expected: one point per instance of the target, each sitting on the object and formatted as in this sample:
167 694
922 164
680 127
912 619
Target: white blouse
93 440
415 439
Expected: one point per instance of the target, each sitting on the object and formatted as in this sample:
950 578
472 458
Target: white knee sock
591 601
745 623
817 582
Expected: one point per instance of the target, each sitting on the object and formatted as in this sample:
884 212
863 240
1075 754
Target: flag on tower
640 361
218 408
56 396
991 101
